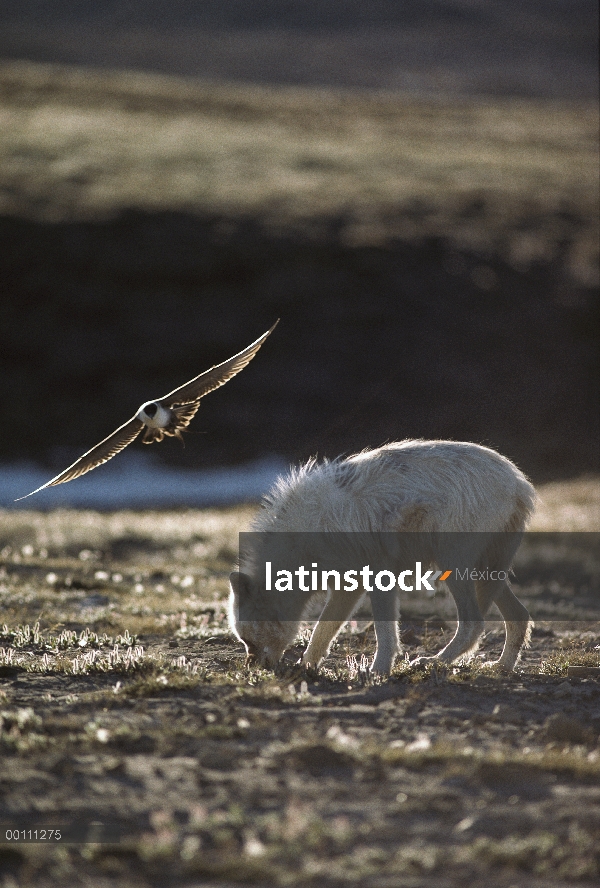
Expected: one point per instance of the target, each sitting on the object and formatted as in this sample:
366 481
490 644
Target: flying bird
169 415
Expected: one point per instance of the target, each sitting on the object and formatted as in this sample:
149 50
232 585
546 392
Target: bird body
159 421
169 415
154 415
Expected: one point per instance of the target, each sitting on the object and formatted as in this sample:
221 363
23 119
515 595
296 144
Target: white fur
428 486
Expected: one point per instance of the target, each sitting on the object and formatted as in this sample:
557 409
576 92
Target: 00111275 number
32 835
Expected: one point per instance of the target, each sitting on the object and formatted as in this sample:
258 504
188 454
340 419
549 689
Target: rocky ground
130 722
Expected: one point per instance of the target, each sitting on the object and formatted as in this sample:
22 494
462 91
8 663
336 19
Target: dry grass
81 144
148 572
568 506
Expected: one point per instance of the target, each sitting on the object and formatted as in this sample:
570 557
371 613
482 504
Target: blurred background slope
506 47
431 249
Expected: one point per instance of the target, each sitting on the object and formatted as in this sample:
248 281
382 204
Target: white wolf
433 488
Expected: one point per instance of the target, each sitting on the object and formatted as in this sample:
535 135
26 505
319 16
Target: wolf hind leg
470 624
517 621
386 612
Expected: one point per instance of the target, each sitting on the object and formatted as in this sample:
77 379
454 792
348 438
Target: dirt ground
130 722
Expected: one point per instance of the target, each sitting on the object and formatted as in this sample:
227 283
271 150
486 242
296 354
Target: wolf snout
256 656
252 652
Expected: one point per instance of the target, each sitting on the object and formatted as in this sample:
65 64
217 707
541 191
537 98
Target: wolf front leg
337 610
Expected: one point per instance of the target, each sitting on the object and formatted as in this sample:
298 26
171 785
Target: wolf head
265 639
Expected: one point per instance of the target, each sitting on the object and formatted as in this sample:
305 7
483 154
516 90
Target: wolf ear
240 591
240 584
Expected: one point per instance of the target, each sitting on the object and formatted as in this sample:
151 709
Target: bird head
153 415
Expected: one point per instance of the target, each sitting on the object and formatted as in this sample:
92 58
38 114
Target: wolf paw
422 662
497 666
309 670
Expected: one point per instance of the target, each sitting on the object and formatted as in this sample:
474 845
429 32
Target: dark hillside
408 340
434 266
456 47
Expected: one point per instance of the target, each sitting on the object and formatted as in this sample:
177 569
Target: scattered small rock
320 760
502 712
389 705
336 734
565 689
422 743
566 728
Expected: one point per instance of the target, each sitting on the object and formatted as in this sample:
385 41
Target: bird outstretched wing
99 454
212 379
183 401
